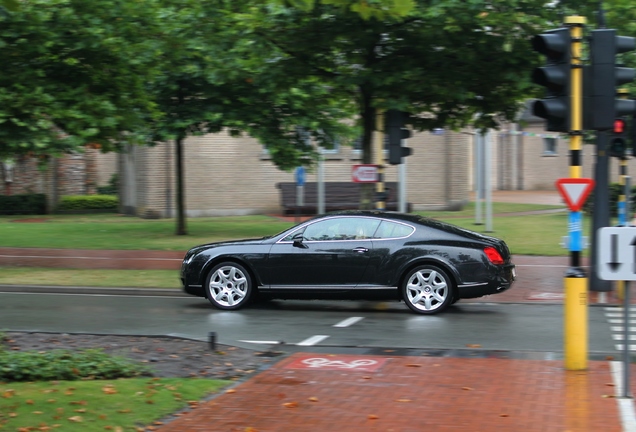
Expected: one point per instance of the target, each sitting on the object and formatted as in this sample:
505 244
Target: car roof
403 217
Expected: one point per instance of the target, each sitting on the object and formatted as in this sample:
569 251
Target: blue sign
300 176
576 231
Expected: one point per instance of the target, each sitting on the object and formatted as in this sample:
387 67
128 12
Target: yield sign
575 191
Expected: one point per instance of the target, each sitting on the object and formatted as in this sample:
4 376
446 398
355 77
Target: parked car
426 263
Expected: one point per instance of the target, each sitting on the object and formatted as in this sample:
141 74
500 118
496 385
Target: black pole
601 213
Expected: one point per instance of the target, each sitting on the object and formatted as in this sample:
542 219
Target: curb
45 289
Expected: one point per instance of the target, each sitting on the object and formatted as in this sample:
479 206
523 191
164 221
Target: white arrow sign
616 258
364 173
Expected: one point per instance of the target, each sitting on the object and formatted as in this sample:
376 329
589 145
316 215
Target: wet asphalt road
305 324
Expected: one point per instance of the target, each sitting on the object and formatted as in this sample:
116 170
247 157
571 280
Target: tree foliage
74 72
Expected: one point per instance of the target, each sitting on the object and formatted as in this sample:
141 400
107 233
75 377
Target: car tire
228 286
427 290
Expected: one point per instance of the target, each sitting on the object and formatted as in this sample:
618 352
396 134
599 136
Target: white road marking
625 406
261 342
348 322
621 337
620 329
313 340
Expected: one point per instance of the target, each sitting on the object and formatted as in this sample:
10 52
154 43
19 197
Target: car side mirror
298 241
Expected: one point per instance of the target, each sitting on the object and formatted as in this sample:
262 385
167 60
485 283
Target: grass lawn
86 406
525 234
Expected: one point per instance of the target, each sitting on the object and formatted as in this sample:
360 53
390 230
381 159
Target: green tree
74 72
449 63
211 79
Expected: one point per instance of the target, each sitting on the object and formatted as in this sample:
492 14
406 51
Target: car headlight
188 258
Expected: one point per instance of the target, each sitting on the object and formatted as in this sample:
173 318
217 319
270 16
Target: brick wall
226 175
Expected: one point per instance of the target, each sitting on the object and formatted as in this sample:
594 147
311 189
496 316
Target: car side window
392 230
342 228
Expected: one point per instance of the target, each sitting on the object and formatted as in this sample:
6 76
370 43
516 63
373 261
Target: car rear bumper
501 282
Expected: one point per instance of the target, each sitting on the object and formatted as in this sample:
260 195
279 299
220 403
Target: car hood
213 245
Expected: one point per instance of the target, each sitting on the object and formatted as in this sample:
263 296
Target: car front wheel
229 286
427 290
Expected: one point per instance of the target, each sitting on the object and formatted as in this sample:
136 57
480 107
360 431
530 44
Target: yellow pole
378 153
575 283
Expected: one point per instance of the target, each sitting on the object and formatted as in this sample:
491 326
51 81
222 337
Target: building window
357 144
550 146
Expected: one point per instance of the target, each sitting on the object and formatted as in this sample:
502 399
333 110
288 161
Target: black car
353 255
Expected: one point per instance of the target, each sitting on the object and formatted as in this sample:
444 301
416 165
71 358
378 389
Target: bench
338 196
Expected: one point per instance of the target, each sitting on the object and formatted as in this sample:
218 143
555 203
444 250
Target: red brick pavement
414 394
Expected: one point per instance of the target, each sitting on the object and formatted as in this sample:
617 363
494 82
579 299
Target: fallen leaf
504 415
413 365
230 391
473 345
608 396
81 410
372 417
290 404
29 401
403 400
76 419
313 399
609 384
467 388
109 390
124 411
8 393
38 412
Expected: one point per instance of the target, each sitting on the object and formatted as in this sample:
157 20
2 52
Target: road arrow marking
614 264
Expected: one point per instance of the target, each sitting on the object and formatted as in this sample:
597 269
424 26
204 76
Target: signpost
367 173
300 190
616 260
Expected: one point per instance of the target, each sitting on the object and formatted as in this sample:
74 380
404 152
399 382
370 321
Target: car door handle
361 250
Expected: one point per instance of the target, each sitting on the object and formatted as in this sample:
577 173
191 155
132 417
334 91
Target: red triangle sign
575 191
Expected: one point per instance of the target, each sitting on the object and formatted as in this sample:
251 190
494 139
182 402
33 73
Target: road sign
575 191
616 258
364 173
300 176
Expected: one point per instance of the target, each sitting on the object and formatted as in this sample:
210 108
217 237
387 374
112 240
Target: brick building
234 176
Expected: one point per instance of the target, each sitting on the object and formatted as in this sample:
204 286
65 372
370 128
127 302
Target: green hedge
66 365
80 203
24 204
614 191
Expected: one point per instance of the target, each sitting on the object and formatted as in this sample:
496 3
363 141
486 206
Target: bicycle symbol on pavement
323 362
338 362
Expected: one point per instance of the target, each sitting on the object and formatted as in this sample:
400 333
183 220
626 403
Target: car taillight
493 255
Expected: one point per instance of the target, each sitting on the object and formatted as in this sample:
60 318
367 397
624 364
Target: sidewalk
412 394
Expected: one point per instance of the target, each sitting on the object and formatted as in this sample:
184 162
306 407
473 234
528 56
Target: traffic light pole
378 152
575 283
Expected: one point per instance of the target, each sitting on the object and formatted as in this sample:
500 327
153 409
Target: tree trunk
181 221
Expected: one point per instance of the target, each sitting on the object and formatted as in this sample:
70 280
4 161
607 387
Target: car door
331 253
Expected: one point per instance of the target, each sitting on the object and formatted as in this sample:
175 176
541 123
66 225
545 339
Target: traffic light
606 76
394 128
555 77
618 140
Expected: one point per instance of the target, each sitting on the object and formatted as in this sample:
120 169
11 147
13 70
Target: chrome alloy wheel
428 290
229 286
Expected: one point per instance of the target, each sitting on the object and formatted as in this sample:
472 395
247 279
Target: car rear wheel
229 286
427 290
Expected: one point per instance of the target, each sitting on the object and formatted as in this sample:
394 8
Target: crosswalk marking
615 316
